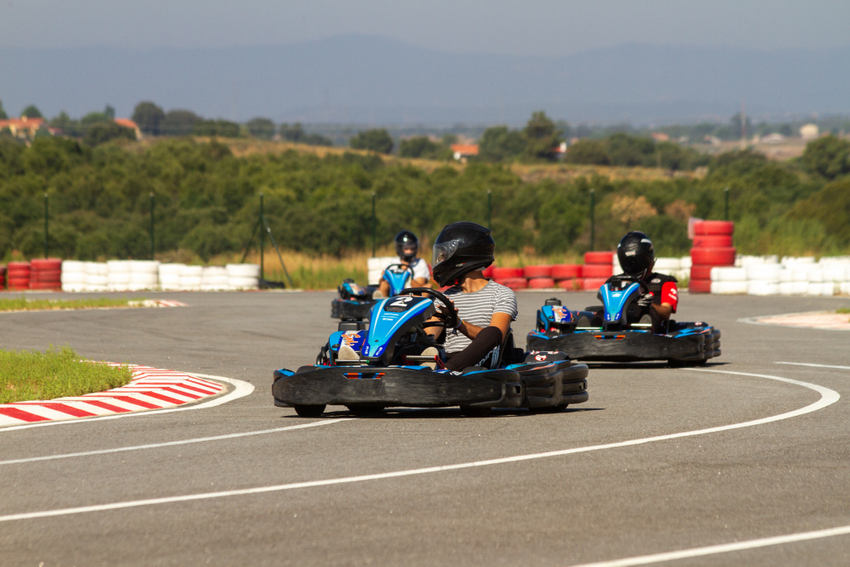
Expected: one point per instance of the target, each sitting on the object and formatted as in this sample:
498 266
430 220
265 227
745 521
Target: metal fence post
592 219
152 239
262 237
46 230
373 225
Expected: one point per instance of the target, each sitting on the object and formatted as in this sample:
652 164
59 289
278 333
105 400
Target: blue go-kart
370 367
355 301
625 332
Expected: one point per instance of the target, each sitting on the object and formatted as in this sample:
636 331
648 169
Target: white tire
729 287
667 265
73 267
243 270
72 278
761 287
767 272
170 269
118 266
728 274
243 283
814 275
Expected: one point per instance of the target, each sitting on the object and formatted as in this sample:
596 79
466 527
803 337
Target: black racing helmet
461 247
406 245
636 255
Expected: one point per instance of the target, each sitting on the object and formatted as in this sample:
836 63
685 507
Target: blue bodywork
397 280
618 331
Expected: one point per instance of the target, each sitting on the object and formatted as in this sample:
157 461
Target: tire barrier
45 273
18 275
126 275
767 275
375 268
712 248
532 272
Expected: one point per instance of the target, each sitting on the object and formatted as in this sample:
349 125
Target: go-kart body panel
697 343
385 365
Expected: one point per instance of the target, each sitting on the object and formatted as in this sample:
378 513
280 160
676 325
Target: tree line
206 201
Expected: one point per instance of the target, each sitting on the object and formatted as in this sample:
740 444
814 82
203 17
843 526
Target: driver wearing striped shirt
485 309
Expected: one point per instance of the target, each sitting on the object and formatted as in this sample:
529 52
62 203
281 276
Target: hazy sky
485 26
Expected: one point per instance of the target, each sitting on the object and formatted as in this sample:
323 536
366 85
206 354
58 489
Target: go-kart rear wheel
366 410
309 411
474 411
550 409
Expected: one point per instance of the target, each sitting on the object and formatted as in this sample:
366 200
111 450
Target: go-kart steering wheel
448 317
403 268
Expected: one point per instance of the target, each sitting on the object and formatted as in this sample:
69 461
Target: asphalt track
743 462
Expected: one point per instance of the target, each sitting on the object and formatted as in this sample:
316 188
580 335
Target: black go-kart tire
366 410
475 411
309 411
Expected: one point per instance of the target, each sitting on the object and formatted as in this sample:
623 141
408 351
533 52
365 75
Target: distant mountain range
374 81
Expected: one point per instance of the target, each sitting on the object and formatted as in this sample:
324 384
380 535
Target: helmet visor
443 251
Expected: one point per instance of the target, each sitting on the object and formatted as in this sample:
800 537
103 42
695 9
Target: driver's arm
664 311
502 321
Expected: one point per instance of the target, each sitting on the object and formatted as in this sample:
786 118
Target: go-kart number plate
364 375
400 304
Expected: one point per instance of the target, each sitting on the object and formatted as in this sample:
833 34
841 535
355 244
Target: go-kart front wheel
309 411
366 410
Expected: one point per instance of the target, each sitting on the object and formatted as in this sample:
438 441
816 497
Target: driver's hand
645 300
447 313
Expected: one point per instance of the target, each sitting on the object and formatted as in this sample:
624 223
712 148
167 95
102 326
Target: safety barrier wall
770 275
130 275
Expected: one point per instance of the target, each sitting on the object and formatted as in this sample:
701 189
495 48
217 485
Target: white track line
815 365
828 397
722 548
240 389
173 443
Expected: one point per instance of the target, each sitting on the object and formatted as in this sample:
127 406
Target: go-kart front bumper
630 346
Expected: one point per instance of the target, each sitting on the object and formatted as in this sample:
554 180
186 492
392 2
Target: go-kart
355 302
386 364
625 332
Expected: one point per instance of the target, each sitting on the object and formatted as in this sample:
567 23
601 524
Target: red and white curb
150 388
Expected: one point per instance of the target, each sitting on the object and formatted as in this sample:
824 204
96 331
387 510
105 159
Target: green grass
843 310
24 304
33 375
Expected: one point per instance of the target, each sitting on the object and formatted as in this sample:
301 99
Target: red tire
537 272
18 283
713 256
715 241
488 271
599 258
513 283
714 228
566 271
504 273
45 285
701 272
699 286
46 275
593 284
541 283
571 284
597 271
46 264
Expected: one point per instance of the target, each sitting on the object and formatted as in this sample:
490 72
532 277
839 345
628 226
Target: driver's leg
487 340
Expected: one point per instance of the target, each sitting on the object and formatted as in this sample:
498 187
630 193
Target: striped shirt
478 308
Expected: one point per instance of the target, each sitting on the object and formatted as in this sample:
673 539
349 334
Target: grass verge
34 375
24 304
